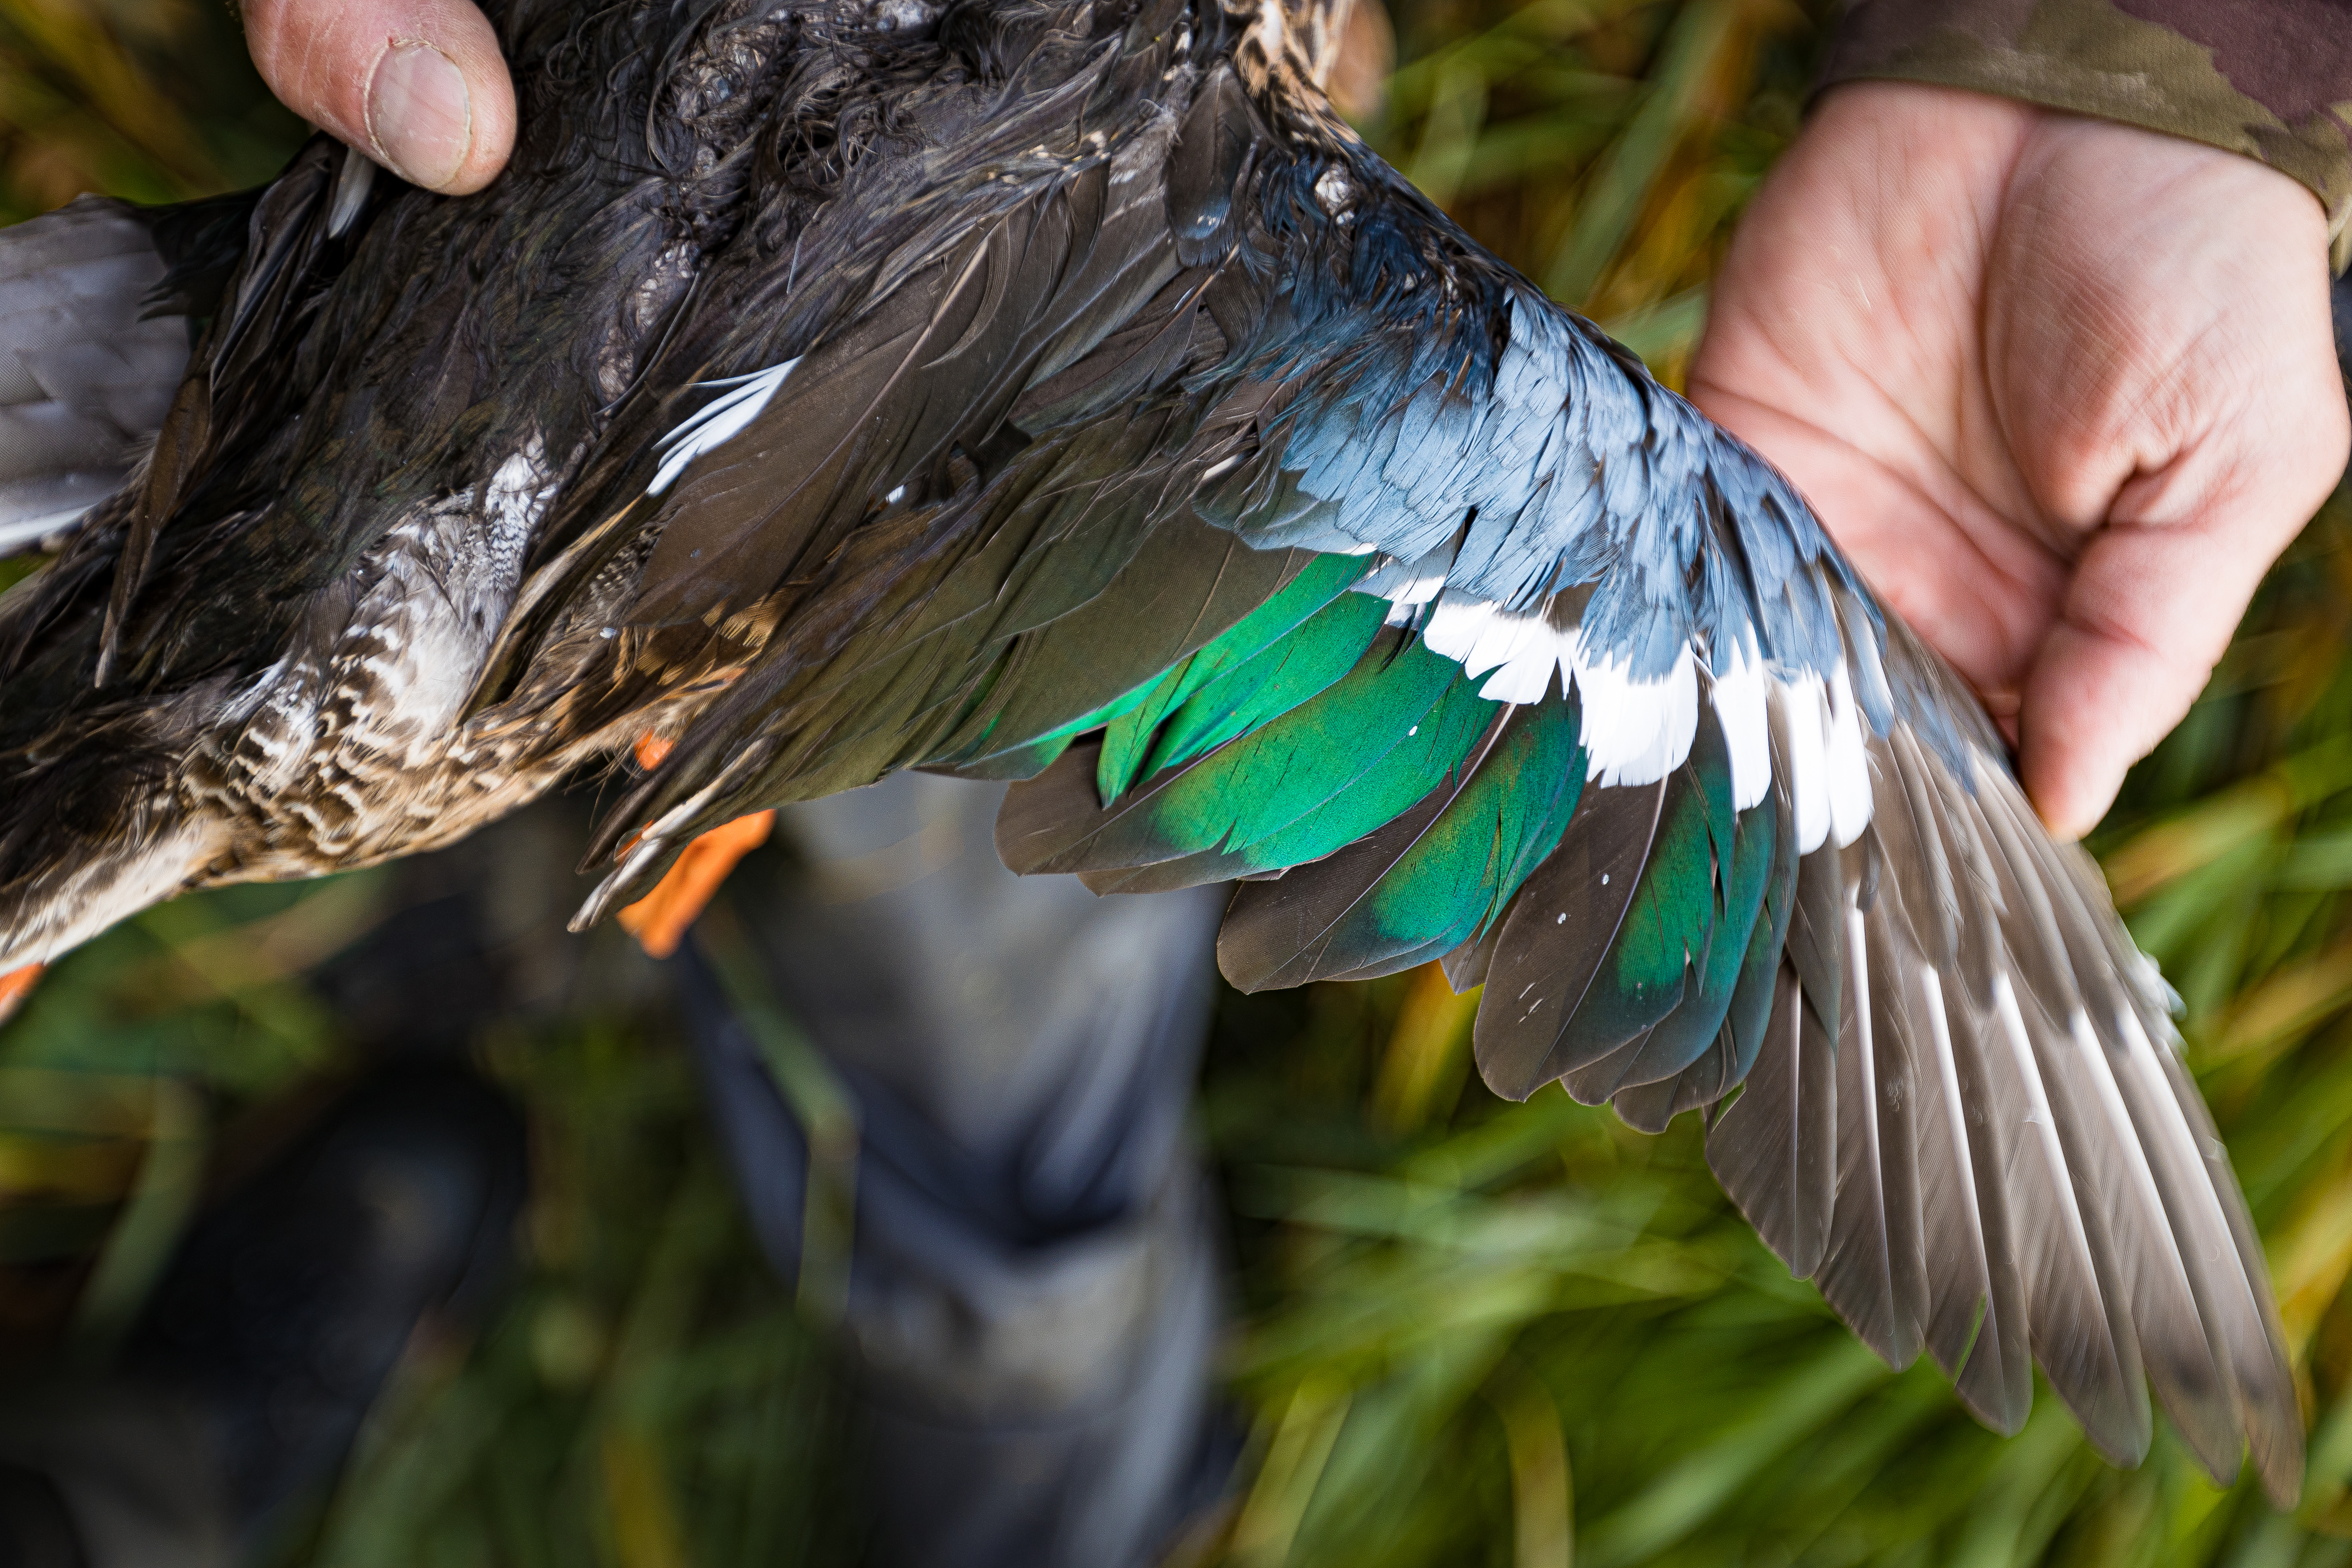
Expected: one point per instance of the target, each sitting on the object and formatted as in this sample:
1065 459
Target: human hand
2063 389
417 85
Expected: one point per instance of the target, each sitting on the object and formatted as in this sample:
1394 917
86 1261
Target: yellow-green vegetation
1472 1332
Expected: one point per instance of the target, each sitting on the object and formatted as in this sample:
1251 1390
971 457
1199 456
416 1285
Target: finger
2153 605
2159 345
417 85
2103 694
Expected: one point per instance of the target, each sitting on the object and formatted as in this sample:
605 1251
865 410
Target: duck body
1059 393
289 603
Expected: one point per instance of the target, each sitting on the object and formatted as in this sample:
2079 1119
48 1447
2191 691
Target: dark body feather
1059 393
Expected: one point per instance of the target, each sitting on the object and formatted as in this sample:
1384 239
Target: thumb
2120 668
417 85
2148 613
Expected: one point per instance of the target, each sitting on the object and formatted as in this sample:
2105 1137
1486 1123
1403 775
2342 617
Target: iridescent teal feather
1680 1038
1354 757
1750 1008
1672 917
1230 688
1435 878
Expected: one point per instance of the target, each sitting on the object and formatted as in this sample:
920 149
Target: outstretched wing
1192 468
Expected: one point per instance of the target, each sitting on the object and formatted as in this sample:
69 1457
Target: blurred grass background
1472 1333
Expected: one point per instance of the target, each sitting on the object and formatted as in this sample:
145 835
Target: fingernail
418 114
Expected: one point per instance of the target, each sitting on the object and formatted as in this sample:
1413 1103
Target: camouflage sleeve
2270 78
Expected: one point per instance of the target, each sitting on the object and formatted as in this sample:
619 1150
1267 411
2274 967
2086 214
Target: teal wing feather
1561 931
1210 685
1224 695
1679 1043
1304 782
1431 881
1657 970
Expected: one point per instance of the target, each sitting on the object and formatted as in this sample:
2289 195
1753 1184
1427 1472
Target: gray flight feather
84 382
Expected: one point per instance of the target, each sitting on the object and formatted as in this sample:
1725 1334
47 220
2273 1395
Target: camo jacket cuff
2270 78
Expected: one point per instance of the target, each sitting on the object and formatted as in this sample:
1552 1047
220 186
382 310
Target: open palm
2062 388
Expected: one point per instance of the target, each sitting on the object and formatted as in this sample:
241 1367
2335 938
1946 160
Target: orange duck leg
17 985
658 920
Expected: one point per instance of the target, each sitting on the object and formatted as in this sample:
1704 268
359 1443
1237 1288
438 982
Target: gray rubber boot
1034 1286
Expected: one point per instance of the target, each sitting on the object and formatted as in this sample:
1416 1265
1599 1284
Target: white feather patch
1739 707
718 423
1802 710
1526 675
1849 765
1523 650
1455 628
1636 731
353 183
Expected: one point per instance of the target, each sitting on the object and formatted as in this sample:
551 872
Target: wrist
2260 82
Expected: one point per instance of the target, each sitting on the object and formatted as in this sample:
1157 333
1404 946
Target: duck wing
1201 476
